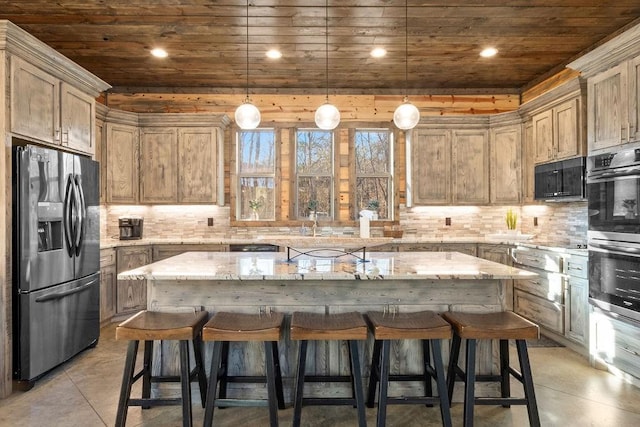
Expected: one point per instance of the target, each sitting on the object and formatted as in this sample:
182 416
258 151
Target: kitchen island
327 282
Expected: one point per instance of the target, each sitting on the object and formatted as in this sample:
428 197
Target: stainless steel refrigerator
56 259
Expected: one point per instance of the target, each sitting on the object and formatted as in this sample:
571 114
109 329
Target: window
374 166
256 175
314 173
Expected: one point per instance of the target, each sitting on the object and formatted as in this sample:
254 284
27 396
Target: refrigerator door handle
82 211
59 295
67 213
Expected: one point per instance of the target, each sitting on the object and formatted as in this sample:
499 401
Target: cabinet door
158 165
505 164
470 166
566 129
431 167
100 156
634 101
197 165
108 296
465 248
607 108
543 136
77 119
122 163
132 294
577 310
34 102
496 253
528 164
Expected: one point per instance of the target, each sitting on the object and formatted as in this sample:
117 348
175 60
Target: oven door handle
605 175
616 248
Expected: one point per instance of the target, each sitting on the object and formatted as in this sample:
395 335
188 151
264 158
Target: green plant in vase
512 220
255 205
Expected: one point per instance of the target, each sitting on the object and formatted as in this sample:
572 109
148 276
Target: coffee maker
130 228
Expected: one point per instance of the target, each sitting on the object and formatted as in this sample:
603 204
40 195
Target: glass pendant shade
247 115
327 116
406 115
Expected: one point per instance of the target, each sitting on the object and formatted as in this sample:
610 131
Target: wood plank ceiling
206 42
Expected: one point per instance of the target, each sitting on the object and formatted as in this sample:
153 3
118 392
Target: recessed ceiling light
489 52
274 54
378 52
159 53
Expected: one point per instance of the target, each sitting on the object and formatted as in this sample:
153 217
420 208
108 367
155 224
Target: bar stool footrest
327 379
500 401
413 400
228 403
155 402
349 401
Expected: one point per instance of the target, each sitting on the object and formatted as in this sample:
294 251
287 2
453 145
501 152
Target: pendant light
406 115
247 115
327 115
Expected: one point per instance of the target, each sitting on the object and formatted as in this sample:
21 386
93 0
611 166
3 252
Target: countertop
350 242
275 266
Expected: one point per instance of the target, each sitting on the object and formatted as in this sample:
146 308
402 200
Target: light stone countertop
274 266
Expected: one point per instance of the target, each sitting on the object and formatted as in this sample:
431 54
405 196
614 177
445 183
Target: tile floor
84 393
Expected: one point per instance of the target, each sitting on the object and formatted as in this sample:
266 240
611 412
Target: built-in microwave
560 181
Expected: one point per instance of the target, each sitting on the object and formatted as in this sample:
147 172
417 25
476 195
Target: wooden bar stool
148 326
503 326
225 327
349 327
426 326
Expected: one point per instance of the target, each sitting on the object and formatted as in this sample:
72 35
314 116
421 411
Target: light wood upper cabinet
505 164
607 108
34 102
197 165
158 165
557 132
634 105
431 166
49 110
528 170
470 166
122 163
77 119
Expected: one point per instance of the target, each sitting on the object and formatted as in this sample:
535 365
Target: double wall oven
613 192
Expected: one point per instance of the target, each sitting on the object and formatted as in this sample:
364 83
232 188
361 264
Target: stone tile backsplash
560 223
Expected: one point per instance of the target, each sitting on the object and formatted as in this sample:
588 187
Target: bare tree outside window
256 175
314 173
374 166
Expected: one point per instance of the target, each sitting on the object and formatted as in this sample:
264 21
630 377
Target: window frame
390 175
239 175
296 175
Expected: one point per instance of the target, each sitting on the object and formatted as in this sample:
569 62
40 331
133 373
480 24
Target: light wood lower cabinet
132 294
108 284
496 253
546 313
615 344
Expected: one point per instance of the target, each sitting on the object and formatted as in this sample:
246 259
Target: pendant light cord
406 49
326 46
247 16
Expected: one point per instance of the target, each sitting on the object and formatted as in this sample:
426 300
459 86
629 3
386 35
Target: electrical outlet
210 222
535 221
447 221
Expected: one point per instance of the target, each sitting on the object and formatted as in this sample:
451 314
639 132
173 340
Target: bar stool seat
148 326
502 326
350 327
225 327
426 326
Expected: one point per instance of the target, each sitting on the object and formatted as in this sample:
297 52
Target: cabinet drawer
549 286
539 310
618 343
544 260
107 257
577 266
